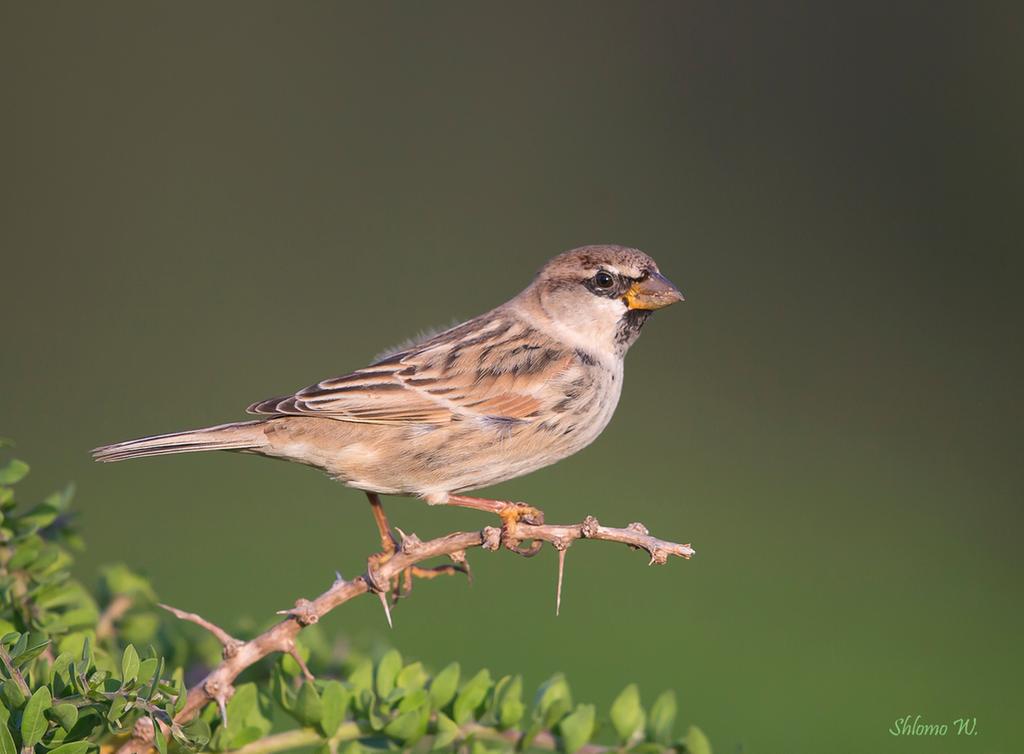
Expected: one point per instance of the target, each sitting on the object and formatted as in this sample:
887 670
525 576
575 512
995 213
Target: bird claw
527 552
511 516
516 512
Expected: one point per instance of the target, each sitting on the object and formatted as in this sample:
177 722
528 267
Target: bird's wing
494 366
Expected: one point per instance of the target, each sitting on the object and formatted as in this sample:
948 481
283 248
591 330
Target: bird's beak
653 292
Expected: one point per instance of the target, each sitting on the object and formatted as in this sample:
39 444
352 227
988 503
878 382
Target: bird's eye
603 280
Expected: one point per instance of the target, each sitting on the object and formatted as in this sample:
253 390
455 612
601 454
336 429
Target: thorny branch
238 655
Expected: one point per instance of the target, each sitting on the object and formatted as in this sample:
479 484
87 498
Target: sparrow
513 390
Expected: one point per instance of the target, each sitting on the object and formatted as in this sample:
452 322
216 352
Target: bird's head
600 296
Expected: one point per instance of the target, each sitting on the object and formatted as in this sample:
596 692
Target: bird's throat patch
630 324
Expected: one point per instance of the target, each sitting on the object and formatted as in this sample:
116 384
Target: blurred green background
208 204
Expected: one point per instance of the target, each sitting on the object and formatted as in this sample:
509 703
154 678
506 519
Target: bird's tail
236 436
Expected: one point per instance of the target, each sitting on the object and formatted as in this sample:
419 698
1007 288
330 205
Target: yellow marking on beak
653 292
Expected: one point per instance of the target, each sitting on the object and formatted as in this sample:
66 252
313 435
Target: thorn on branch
410 542
304 612
561 572
220 693
387 608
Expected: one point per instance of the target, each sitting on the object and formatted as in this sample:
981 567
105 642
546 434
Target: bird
500 395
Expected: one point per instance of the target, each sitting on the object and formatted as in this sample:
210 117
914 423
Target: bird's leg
389 546
387 539
510 513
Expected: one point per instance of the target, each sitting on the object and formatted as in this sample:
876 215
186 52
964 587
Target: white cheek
609 310
594 326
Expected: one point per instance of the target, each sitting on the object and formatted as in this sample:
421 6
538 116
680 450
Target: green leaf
243 703
353 747
553 693
577 728
280 689
471 696
24 555
33 721
61 500
387 671
444 686
39 517
479 747
627 713
509 705
409 726
129 664
159 738
154 683
148 670
75 747
412 677
552 702
180 697
13 472
361 677
66 715
36 644
197 732
247 723
116 710
372 709
309 707
696 742
413 700
647 747
289 664
12 695
61 671
662 718
447 731
395 696
7 740
336 699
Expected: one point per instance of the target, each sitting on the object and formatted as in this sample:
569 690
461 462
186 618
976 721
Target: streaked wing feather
490 366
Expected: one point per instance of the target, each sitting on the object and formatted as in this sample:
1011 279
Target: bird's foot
510 517
513 513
